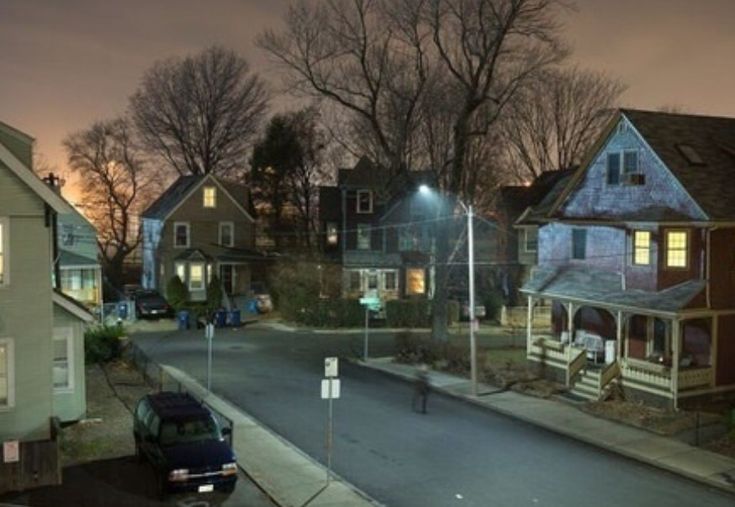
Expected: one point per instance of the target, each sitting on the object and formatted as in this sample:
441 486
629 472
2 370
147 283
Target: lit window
363 237
226 235
389 280
530 242
332 235
62 369
3 249
677 249
210 197
181 271
641 248
415 281
613 168
6 373
196 276
181 235
579 243
364 201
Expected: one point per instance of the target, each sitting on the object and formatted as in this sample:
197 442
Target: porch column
713 349
570 321
619 335
675 346
529 325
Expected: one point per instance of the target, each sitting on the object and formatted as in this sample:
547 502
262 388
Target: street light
425 190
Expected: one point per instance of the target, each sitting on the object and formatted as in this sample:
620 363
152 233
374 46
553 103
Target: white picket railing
695 377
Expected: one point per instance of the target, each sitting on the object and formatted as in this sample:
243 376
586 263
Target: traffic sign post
370 303
330 391
209 336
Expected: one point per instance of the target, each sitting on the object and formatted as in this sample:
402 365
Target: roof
27 176
172 405
605 288
673 136
172 196
364 174
69 259
72 306
542 194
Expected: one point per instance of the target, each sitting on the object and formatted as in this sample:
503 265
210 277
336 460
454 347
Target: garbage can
220 318
252 306
233 318
183 319
122 310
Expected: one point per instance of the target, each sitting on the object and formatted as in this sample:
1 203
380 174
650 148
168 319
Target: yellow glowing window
642 248
196 276
415 281
677 249
210 197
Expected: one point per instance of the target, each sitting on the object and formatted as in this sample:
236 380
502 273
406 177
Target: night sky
66 63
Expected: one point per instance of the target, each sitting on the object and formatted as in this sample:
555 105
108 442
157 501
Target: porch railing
577 361
659 375
695 377
608 373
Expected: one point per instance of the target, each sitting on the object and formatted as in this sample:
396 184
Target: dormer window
364 201
210 197
630 162
613 168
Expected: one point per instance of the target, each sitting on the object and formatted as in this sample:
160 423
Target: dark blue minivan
181 438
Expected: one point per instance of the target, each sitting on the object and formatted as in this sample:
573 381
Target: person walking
421 389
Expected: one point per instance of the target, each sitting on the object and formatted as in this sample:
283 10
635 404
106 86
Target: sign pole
330 430
210 335
367 325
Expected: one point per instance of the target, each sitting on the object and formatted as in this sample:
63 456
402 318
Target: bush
214 294
102 343
176 293
408 313
493 303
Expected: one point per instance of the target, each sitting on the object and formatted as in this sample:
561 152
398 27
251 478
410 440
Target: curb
572 435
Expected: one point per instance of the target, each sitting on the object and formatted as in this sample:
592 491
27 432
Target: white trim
196 187
357 202
687 249
182 265
10 369
232 233
188 234
67 334
5 248
72 308
384 272
34 182
204 274
525 239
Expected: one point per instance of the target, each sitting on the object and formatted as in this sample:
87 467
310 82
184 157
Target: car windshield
189 430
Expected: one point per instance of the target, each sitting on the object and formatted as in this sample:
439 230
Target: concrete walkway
285 473
666 453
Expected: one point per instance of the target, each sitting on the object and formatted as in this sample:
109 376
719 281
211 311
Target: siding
725 350
72 405
722 268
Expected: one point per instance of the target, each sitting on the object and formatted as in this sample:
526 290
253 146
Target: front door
227 275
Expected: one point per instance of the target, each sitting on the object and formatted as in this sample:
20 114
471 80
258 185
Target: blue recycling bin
252 306
233 318
183 320
122 310
220 318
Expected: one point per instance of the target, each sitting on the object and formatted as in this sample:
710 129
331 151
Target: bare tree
115 186
198 114
367 56
552 122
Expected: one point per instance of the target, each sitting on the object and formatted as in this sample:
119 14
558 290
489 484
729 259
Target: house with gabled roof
41 330
200 226
636 251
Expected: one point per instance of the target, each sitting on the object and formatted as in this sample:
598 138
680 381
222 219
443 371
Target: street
457 454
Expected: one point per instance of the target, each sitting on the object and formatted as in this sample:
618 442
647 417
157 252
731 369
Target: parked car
149 303
183 441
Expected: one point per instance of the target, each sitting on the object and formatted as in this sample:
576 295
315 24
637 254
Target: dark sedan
149 303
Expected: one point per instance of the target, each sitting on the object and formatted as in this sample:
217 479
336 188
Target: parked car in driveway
184 443
149 303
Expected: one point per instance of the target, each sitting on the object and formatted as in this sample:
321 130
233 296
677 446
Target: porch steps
587 383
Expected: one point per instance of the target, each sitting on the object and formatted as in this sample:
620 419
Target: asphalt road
457 454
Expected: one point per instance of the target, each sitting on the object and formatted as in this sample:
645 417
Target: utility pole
471 275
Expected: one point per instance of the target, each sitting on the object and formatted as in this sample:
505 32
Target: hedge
408 313
102 343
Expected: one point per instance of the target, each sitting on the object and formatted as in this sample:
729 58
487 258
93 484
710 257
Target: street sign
331 366
372 303
11 449
330 389
209 331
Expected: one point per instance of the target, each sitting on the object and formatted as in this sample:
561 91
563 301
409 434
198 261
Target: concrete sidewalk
666 453
285 473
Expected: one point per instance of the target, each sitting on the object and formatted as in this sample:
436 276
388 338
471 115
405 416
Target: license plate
206 488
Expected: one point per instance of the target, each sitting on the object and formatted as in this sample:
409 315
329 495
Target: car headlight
180 474
229 469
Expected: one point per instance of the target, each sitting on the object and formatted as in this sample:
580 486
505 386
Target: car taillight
229 469
178 475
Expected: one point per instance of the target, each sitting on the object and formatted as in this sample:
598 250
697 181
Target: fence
121 311
158 378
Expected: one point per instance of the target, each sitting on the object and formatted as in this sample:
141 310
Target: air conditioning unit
634 179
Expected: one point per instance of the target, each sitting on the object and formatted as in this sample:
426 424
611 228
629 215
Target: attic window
690 154
210 197
364 201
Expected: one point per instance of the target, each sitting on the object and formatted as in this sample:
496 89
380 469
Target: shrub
408 313
214 294
176 293
493 303
102 343
296 291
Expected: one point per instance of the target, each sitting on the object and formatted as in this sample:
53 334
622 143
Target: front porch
651 357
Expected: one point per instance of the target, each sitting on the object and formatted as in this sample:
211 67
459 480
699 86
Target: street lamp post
424 189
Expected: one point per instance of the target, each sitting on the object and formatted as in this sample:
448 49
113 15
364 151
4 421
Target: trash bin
122 310
183 319
252 306
233 318
220 318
